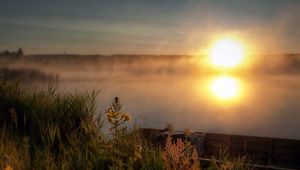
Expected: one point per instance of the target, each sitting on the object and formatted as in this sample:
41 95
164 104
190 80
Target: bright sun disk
227 53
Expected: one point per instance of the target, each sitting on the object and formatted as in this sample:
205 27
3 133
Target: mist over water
156 90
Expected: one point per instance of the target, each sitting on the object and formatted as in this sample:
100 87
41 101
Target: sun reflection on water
225 87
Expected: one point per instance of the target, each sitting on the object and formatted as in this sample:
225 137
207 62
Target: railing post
270 152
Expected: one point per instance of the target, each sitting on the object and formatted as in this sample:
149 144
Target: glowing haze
147 27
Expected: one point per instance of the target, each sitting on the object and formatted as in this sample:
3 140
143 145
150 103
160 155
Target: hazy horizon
148 27
150 84
135 54
233 69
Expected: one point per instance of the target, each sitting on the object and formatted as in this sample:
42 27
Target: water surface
160 91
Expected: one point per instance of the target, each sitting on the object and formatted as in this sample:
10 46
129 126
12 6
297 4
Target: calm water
156 93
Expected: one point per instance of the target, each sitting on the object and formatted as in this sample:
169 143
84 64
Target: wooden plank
255 166
237 139
287 143
286 158
288 151
291 165
238 146
258 155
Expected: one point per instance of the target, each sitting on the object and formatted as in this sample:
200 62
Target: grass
226 161
50 130
44 129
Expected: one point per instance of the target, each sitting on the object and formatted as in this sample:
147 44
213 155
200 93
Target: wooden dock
267 153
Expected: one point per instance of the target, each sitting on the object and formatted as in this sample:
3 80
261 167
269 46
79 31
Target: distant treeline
138 64
17 53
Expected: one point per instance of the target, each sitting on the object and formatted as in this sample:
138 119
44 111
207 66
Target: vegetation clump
180 155
48 129
226 161
45 129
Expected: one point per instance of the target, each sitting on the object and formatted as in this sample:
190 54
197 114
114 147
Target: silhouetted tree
20 52
6 52
17 53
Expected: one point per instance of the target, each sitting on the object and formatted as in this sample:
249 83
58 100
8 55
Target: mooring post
270 153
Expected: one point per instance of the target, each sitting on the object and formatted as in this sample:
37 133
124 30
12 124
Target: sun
225 87
227 53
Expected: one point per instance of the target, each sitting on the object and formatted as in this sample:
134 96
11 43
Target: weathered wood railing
262 151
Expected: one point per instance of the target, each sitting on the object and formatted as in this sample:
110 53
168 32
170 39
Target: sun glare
225 87
227 53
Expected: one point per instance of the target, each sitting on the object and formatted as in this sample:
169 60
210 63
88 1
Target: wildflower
180 155
187 132
138 152
109 119
112 114
109 146
8 167
117 119
126 117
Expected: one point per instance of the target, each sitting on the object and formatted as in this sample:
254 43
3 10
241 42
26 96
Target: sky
147 26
